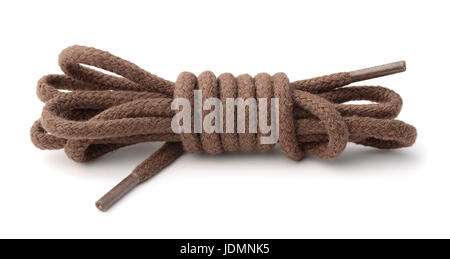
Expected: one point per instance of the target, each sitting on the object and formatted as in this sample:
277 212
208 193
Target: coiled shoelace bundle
101 113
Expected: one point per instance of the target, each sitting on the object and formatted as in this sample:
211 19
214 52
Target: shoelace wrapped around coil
101 113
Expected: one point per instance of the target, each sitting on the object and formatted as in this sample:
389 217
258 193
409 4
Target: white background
365 193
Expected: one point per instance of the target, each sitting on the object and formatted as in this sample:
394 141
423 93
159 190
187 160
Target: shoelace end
378 71
117 192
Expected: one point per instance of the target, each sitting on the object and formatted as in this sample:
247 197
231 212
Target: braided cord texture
90 113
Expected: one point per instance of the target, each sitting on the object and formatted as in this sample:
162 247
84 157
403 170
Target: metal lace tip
117 192
378 71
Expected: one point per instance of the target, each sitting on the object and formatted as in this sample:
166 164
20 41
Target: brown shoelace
101 113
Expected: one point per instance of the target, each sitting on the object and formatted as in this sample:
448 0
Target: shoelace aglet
117 192
378 71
